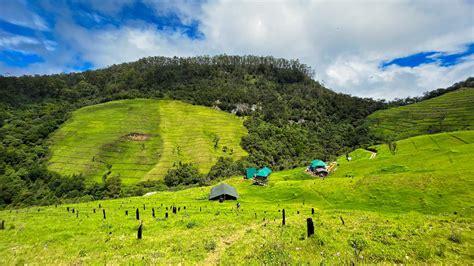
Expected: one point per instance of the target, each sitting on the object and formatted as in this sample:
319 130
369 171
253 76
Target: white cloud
16 12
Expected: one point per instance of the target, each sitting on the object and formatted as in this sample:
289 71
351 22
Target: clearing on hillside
449 112
141 139
410 206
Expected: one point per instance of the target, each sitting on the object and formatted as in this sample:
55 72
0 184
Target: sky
383 49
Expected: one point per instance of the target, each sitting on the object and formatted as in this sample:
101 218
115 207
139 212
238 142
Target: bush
183 174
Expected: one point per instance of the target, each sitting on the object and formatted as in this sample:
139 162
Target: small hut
261 177
223 192
318 167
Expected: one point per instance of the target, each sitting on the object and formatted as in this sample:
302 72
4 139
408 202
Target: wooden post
174 210
94 210
137 214
297 212
310 227
153 212
126 212
144 208
179 208
283 216
166 215
342 220
2 225
103 212
72 210
199 209
66 208
312 211
140 229
100 206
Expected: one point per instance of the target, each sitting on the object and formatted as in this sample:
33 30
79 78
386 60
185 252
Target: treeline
468 83
291 118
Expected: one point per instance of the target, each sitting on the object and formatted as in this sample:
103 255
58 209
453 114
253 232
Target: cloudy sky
376 48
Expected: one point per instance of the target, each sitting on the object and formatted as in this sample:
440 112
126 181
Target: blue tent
250 173
317 164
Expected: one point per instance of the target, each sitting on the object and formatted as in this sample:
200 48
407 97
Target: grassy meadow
141 139
449 112
412 206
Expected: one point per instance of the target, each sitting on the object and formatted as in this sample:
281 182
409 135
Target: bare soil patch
137 136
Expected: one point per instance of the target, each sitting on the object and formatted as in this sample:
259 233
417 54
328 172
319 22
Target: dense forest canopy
291 119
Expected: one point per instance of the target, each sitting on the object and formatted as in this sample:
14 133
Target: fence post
310 226
342 220
2 225
283 216
137 214
103 212
312 211
166 215
126 212
153 212
140 229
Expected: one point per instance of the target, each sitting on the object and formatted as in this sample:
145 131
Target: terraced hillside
141 139
449 112
413 206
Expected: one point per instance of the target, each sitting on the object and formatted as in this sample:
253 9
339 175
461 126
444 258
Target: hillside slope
411 207
141 139
449 112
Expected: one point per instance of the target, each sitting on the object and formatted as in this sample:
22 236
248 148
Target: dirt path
224 243
372 155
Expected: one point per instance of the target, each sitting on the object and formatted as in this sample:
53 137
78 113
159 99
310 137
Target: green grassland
449 112
414 206
141 139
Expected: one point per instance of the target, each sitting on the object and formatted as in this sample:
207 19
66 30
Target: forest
291 119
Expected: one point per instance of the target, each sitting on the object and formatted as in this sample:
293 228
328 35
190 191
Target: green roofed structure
250 173
224 192
264 172
317 164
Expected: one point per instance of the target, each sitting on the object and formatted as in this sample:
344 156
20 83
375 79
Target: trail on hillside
224 243
372 155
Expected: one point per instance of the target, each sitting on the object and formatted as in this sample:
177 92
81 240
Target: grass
411 207
141 139
452 111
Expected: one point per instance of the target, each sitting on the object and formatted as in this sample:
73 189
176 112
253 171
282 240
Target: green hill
413 206
141 139
449 112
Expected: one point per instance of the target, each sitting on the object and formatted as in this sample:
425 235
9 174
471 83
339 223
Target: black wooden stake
166 215
312 211
2 225
100 206
283 216
310 225
138 214
94 210
342 220
153 212
66 208
126 213
103 212
140 228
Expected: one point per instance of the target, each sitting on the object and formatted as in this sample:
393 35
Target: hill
142 139
449 112
289 118
410 206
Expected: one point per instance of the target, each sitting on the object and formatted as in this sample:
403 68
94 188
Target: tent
250 173
223 191
317 164
264 172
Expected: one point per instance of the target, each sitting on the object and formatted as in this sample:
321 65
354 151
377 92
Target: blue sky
365 48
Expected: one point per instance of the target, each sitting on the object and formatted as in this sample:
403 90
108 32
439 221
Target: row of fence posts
309 221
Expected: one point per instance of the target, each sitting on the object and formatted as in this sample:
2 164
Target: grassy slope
450 112
95 137
404 207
